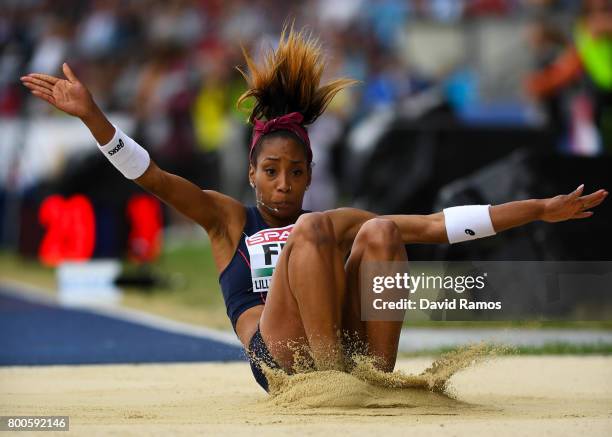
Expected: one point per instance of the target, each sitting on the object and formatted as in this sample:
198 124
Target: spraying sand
507 395
366 386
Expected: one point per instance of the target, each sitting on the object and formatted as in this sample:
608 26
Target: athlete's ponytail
288 80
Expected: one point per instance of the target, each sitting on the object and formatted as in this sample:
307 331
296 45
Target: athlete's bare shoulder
230 214
231 217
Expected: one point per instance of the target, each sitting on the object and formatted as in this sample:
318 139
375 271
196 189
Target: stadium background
450 110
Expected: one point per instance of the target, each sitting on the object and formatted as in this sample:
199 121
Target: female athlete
308 293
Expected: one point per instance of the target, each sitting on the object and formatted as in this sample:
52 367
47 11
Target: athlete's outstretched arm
72 97
432 228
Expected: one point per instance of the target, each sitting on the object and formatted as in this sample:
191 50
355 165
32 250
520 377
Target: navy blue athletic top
235 279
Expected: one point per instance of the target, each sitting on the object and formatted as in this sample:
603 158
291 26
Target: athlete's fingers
40 89
52 80
594 198
38 83
577 192
582 215
594 194
594 203
26 79
68 73
45 97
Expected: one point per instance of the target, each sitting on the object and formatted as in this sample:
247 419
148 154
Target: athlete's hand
68 95
571 206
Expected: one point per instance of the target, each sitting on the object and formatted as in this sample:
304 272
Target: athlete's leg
377 240
306 295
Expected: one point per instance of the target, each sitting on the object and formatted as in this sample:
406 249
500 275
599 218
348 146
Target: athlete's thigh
312 250
280 324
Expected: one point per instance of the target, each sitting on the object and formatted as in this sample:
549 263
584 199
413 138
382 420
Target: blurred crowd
572 77
142 55
171 63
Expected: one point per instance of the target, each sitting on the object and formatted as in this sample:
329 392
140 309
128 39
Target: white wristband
126 155
468 222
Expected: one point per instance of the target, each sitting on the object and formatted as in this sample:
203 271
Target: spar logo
264 249
276 235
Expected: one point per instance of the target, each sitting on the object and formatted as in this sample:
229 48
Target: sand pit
508 395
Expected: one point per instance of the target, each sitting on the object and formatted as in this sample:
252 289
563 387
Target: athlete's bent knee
380 233
313 227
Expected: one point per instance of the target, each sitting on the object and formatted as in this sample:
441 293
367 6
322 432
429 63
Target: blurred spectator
98 33
588 63
547 43
593 35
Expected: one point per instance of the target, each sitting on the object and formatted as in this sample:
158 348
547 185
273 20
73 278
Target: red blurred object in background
145 239
70 229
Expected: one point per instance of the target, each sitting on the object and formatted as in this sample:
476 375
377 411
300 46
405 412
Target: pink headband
291 122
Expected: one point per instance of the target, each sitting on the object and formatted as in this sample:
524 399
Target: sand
509 395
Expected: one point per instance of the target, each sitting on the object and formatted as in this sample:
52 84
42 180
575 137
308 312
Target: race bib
264 250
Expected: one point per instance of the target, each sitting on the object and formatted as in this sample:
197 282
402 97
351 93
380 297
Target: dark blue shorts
258 353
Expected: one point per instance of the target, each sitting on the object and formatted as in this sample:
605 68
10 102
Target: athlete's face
281 176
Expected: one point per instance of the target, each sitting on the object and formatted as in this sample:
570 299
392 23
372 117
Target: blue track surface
37 334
